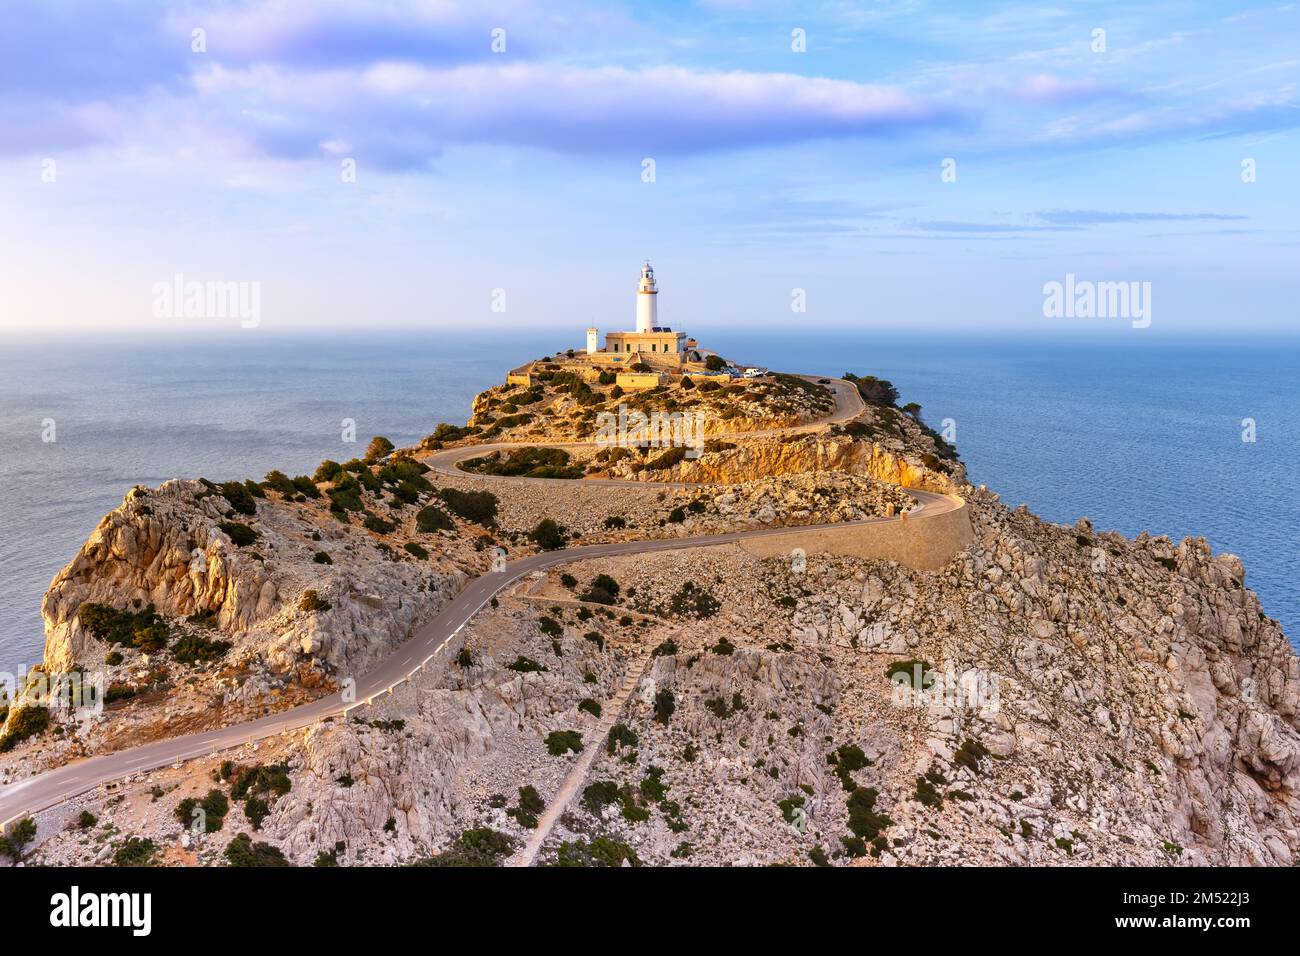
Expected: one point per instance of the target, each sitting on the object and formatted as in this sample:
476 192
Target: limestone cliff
752 459
167 548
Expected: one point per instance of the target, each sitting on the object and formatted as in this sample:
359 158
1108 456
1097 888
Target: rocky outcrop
166 548
756 458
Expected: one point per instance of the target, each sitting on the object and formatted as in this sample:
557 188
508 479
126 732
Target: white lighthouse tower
647 311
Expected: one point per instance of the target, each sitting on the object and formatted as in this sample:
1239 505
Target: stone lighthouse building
647 310
651 340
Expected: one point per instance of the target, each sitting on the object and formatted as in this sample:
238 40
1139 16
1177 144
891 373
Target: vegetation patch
560 742
239 533
477 506
135 851
601 852
242 851
547 535
21 724
693 601
916 674
194 649
144 629
213 809
528 462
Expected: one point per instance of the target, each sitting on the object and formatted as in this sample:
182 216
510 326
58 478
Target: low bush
477 506
192 649
378 448
144 629
214 808
21 724
524 665
135 851
547 535
560 742
693 601
372 523
239 533
241 500
482 846
600 852
242 851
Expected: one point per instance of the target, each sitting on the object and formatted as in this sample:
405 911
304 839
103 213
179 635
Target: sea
1170 436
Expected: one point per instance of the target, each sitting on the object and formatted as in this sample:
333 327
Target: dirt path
578 773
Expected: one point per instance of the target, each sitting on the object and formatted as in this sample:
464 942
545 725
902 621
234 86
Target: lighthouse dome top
647 276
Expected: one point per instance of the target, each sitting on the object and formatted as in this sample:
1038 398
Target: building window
653 347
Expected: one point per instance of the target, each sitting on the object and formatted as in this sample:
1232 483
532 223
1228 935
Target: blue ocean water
1136 435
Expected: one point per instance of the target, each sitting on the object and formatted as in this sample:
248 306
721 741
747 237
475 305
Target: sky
428 165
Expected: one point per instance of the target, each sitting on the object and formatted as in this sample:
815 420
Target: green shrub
615 523
693 601
256 810
415 549
306 487
14 842
279 481
969 755
135 851
215 806
144 629
242 851
524 665
909 671
378 448
600 852
376 524
665 704
21 724
86 820
530 462
431 518
620 735
602 590
239 497
874 391
239 533
590 706
271 779
327 470
478 847
676 516
530 805
547 535
864 821
477 506
926 794
191 649
560 742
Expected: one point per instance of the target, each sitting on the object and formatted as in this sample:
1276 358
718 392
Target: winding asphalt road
430 640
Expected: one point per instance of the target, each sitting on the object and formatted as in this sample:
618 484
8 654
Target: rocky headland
1054 695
